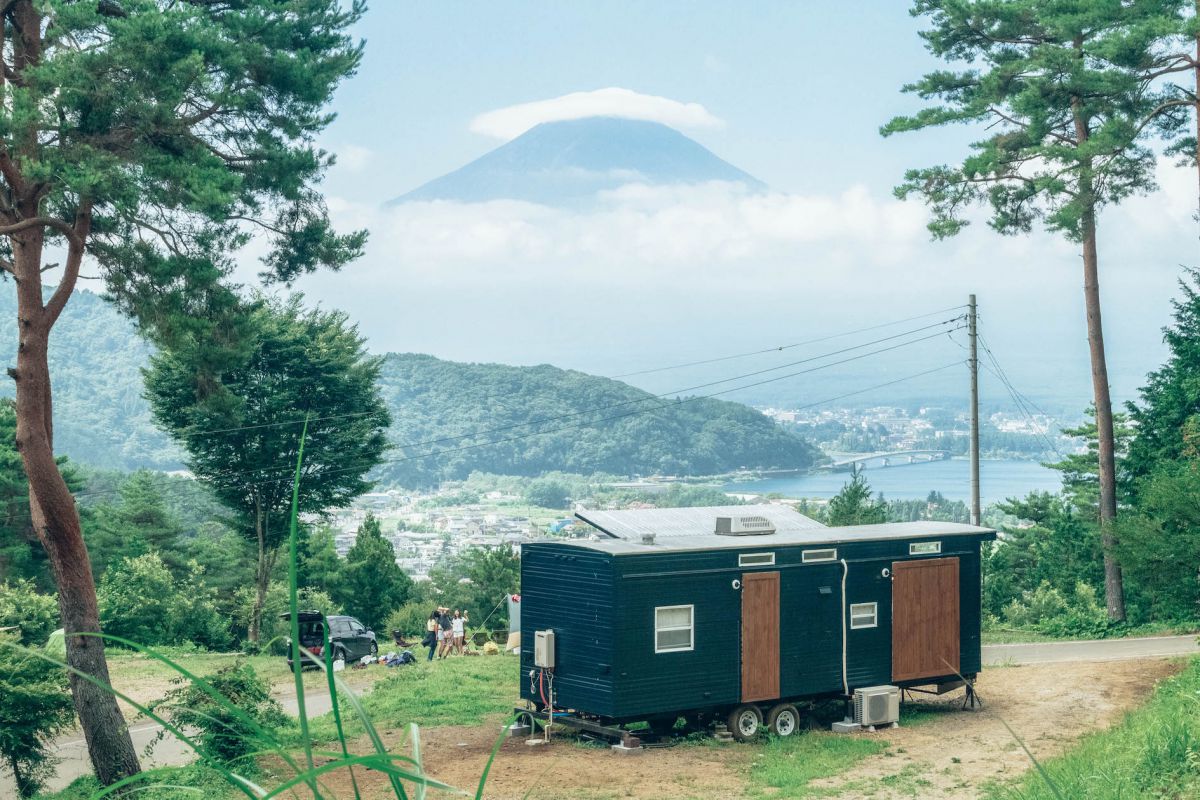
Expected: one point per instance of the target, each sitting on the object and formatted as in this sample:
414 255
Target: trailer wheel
784 719
745 722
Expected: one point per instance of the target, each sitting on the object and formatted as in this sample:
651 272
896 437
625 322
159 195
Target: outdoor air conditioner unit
744 526
877 705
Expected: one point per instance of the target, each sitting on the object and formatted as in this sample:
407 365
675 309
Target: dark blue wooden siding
602 609
570 590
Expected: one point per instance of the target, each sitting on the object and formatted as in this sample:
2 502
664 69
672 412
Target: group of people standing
445 632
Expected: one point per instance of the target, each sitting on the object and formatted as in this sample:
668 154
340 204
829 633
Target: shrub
141 600
22 606
225 735
34 708
409 619
1049 611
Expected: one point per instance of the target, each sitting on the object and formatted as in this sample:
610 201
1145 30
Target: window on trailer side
673 628
864 615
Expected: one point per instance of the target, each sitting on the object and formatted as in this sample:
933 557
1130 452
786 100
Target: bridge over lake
844 462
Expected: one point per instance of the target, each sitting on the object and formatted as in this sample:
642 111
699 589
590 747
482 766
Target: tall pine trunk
1114 589
55 517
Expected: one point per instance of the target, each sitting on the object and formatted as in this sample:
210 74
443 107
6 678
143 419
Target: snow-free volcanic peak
569 161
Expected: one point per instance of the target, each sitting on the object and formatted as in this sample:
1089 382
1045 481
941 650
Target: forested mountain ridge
102 419
96 358
453 408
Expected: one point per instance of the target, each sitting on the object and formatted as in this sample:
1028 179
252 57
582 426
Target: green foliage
933 507
142 601
33 613
222 732
1064 95
137 524
547 493
35 707
318 564
1154 752
853 504
292 360
1160 542
1171 395
1053 545
409 619
274 629
1081 471
371 584
453 408
1047 610
477 581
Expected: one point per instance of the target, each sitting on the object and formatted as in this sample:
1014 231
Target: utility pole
973 363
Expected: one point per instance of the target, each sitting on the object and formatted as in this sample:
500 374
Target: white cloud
510 122
353 157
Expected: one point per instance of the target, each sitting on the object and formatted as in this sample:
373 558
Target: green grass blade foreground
1153 752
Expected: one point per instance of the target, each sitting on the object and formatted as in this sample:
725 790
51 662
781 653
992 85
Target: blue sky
665 276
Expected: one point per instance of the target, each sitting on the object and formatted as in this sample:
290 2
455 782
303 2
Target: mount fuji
569 162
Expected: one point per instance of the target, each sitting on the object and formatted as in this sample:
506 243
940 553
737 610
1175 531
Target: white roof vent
744 526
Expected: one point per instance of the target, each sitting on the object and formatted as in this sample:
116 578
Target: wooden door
760 636
925 619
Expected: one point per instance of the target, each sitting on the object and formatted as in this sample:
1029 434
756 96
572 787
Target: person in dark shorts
431 634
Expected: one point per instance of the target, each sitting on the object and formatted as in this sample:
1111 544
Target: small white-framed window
756 559
816 556
924 548
673 629
864 615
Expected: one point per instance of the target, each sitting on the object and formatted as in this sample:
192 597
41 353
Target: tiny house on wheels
740 612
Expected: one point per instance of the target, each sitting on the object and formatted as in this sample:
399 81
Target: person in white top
458 626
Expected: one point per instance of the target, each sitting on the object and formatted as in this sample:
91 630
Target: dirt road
1097 650
948 753
1034 696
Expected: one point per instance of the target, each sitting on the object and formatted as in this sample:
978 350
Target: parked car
349 638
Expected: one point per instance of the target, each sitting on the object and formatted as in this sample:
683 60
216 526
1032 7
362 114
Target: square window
924 548
864 615
673 629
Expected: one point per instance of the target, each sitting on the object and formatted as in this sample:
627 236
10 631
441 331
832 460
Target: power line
641 400
780 348
881 385
1023 403
576 426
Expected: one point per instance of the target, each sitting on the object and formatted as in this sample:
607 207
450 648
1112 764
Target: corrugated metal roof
816 535
672 522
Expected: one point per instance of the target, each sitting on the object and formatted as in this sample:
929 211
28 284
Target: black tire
784 719
339 652
375 648
745 722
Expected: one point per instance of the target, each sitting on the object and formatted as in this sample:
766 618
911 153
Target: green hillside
101 419
96 358
437 402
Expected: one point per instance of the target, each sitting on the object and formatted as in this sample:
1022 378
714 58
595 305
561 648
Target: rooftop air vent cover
744 526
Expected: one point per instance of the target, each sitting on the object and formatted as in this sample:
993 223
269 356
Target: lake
998 480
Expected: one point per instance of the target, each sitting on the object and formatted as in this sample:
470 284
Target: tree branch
79 233
47 222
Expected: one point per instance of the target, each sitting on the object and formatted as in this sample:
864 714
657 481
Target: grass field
1153 753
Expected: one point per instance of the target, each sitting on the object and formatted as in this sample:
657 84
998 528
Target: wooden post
973 362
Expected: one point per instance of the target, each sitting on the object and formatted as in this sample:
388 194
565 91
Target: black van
349 638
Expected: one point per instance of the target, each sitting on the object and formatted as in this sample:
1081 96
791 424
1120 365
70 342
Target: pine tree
1171 395
372 585
1067 97
853 504
152 138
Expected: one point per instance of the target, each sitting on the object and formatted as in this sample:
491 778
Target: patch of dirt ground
1047 705
944 753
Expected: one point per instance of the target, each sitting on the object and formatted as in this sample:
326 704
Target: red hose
542 690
